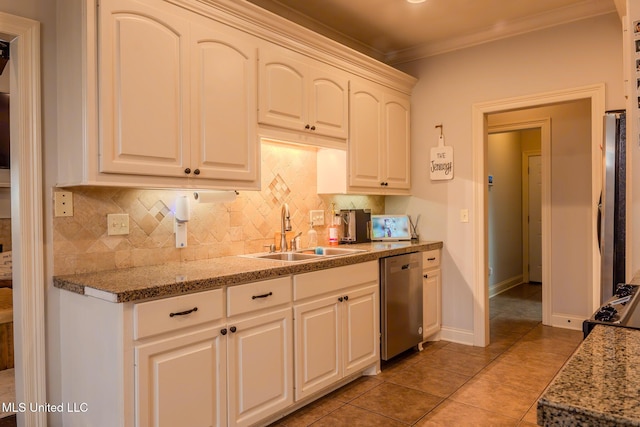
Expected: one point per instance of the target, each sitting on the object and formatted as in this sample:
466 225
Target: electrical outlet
117 224
63 203
316 217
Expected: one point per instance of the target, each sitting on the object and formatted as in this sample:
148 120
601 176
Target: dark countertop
599 385
140 283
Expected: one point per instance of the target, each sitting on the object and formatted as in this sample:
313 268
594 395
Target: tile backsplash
246 225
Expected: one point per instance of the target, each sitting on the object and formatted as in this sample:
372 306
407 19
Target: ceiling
395 31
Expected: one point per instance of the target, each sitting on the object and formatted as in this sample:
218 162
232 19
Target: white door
317 345
144 107
397 136
260 366
360 337
182 380
224 105
535 219
365 136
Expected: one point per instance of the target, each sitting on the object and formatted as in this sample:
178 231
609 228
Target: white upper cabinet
302 95
224 102
177 94
176 101
378 158
144 90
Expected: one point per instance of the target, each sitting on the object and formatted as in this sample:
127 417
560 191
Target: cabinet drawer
258 295
431 258
321 282
165 315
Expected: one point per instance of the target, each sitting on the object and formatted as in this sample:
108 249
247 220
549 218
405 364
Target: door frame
596 94
27 215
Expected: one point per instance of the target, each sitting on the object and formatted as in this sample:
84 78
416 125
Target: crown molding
270 27
576 12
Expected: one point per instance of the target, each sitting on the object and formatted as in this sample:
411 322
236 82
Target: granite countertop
599 384
140 283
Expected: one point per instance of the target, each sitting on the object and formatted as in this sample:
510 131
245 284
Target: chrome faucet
285 225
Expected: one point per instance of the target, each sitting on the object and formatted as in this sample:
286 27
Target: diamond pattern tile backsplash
245 225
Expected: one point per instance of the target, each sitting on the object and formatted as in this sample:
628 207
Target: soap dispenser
313 237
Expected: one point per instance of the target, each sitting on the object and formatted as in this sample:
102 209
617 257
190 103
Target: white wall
573 55
504 152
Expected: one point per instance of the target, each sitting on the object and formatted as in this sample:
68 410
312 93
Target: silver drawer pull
262 296
183 313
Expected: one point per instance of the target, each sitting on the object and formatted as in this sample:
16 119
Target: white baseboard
505 285
460 336
567 321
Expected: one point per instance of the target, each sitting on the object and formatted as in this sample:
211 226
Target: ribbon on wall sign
441 167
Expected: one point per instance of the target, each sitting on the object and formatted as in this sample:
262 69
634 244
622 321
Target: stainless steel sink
307 254
286 256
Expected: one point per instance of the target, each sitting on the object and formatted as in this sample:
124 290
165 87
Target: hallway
453 384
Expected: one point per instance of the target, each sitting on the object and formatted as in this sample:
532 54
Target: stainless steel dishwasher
401 303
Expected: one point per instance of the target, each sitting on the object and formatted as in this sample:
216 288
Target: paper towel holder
182 215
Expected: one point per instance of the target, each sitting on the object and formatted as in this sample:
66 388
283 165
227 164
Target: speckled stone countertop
140 283
599 385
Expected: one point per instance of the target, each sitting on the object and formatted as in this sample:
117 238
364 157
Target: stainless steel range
620 310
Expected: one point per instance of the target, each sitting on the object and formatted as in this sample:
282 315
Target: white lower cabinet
181 381
225 357
431 294
180 377
236 371
336 325
260 366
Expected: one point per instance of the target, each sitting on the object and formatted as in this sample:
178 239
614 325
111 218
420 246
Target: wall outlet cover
62 203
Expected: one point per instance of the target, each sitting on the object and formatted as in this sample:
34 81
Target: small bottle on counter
333 227
313 237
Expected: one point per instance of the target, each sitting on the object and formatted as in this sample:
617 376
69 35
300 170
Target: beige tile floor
450 384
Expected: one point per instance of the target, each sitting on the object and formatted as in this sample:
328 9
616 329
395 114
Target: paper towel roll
182 209
214 196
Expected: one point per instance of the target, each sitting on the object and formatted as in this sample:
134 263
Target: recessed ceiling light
416 1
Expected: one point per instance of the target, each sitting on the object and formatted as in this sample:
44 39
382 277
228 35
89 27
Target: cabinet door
361 326
283 90
432 302
317 344
181 381
224 103
260 366
143 87
397 142
328 104
365 142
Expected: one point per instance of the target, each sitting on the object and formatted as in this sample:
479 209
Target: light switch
117 224
316 217
464 215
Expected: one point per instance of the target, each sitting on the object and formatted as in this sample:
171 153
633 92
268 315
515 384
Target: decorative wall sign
441 166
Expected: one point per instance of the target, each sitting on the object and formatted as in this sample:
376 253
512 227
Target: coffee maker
356 225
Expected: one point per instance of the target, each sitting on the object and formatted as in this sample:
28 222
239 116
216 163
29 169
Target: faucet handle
294 242
272 247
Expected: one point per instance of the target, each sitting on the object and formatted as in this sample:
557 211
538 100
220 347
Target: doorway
595 96
27 213
515 204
